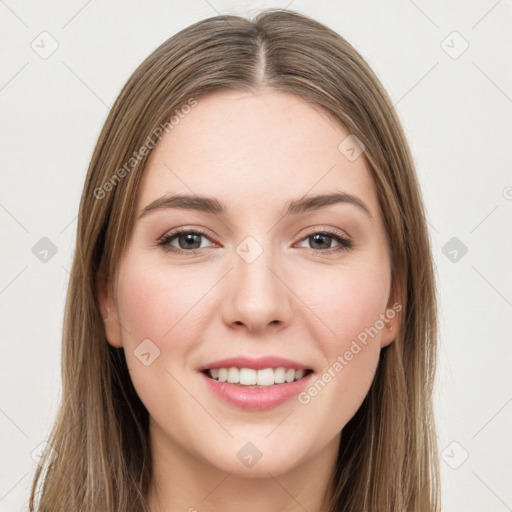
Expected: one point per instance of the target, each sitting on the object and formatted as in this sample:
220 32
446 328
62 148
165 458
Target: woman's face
253 279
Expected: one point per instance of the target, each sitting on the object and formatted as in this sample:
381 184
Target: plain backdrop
447 66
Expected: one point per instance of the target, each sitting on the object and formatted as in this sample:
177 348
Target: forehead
254 149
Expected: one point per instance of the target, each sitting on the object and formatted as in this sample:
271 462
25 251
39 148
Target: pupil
316 237
189 238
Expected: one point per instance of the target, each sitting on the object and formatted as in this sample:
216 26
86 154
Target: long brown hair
388 458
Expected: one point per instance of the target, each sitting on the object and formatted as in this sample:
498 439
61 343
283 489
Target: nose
258 297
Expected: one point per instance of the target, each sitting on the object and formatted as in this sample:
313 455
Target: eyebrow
213 206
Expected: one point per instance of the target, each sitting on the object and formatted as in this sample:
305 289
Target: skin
307 302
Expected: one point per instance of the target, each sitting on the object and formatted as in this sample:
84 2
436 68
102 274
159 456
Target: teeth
251 377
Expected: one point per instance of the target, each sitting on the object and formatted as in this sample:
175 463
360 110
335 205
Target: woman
251 315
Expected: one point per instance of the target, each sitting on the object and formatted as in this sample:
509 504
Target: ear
108 308
393 314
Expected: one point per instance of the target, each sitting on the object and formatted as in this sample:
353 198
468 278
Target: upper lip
257 363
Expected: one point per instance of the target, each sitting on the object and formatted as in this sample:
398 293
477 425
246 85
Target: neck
182 481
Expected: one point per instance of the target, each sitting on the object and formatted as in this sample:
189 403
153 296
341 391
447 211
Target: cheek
349 304
159 324
347 301
152 304
163 306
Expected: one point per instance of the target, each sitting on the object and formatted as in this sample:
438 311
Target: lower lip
257 399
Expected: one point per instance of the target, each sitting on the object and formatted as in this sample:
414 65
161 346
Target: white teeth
279 375
248 376
264 377
251 377
233 375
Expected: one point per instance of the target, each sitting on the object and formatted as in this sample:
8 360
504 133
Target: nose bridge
253 261
257 295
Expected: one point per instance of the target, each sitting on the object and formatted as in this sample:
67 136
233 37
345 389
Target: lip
256 363
253 398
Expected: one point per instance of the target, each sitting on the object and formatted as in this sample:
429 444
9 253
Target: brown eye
189 241
322 241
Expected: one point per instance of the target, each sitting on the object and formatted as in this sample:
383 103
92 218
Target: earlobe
108 309
393 315
388 335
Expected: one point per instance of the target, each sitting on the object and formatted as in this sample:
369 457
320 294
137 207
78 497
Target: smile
253 377
254 397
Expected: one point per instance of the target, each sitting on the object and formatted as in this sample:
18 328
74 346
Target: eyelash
344 243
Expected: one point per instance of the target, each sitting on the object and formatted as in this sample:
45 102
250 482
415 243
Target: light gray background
456 109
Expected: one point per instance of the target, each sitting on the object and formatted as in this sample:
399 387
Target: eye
321 240
189 241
